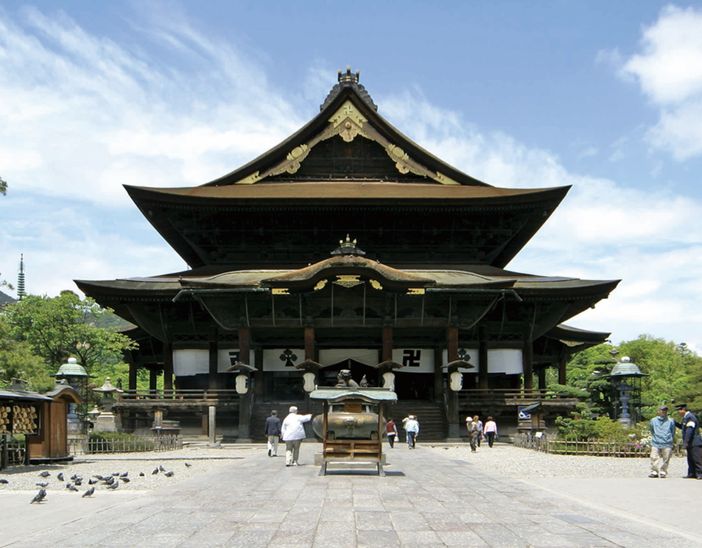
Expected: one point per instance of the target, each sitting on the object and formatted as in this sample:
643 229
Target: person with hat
662 429
473 432
691 441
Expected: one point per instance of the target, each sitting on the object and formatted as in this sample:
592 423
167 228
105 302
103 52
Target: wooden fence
591 448
12 451
131 444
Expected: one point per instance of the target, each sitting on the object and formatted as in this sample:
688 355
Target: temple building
346 246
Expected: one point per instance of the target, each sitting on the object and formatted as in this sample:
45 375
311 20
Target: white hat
469 419
292 409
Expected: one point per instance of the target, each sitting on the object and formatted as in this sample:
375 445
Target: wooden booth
352 425
50 443
20 414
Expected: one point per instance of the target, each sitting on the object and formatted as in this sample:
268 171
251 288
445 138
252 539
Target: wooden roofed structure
429 285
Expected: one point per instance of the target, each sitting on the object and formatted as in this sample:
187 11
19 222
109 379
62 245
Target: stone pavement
427 498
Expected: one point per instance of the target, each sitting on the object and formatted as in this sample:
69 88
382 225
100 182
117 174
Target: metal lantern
626 379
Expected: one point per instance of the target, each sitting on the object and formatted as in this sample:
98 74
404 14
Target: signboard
468 354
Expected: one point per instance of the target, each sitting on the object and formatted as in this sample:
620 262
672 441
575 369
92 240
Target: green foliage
3 186
17 361
600 429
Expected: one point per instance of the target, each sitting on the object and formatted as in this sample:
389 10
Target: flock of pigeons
110 481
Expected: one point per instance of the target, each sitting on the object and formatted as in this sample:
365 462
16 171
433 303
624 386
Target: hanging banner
366 356
196 361
415 360
505 360
229 356
468 354
190 361
282 359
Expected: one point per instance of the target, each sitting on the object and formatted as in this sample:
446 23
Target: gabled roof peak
349 79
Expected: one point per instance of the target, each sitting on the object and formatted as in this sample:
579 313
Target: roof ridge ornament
349 79
348 247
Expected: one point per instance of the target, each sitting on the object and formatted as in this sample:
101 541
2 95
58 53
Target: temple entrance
414 386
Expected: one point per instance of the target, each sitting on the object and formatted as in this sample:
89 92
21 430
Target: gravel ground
514 462
199 459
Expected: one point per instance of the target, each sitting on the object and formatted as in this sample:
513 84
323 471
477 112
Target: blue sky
605 96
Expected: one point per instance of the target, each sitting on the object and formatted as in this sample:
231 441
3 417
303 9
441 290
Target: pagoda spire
20 279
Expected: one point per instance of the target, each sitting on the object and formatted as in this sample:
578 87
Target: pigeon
59 476
4 481
154 472
169 474
39 497
188 465
92 482
71 487
45 474
99 477
78 481
141 474
113 485
42 484
161 468
125 480
74 476
115 473
124 474
110 481
88 493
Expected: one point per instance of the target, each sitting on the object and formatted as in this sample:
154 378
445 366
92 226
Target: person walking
272 433
490 430
662 430
412 429
691 441
473 432
480 430
391 432
293 432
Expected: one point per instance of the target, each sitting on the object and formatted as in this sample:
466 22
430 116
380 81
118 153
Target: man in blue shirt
691 441
662 433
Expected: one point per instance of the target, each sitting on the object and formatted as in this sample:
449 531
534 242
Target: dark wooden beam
483 359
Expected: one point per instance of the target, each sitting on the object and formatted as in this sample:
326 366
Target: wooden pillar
245 400
527 367
309 343
541 375
452 411
153 380
167 368
438 375
133 369
562 377
483 382
213 348
387 343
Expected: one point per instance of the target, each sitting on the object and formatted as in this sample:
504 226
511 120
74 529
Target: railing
132 444
180 394
512 395
591 448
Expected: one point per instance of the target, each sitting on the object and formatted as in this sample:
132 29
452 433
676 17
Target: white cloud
92 115
669 71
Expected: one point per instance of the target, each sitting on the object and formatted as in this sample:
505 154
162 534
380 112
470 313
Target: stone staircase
431 417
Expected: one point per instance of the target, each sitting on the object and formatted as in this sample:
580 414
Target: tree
3 186
56 328
17 361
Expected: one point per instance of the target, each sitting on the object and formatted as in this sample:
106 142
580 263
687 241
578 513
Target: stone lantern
107 421
76 376
626 379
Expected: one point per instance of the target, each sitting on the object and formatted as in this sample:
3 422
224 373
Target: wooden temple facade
274 302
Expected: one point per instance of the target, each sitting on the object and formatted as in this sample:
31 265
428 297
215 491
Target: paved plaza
432 496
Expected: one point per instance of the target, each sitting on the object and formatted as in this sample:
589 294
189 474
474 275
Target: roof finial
348 79
348 247
348 76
